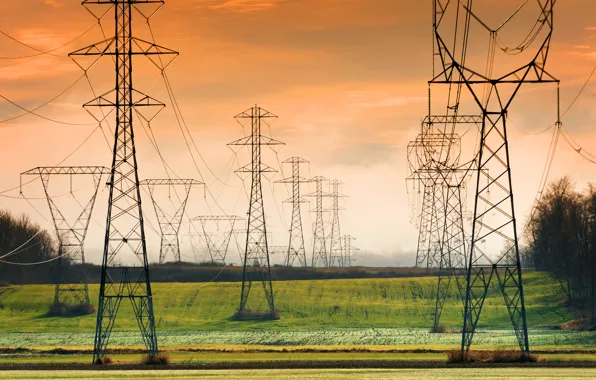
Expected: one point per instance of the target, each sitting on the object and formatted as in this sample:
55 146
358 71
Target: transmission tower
169 225
256 254
425 175
70 233
434 158
218 251
494 219
348 250
319 249
336 253
296 243
125 233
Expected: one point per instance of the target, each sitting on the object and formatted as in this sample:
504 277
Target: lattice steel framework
70 233
428 155
218 251
125 233
257 265
348 249
169 225
434 160
336 253
494 219
319 248
296 244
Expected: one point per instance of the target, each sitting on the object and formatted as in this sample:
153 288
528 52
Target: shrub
156 359
103 360
496 356
62 310
250 315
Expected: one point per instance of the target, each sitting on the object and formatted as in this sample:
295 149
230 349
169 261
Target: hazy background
347 79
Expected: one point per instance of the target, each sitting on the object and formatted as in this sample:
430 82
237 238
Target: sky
346 78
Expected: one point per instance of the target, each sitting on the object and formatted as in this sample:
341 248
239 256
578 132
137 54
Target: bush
156 359
250 315
103 360
496 356
62 310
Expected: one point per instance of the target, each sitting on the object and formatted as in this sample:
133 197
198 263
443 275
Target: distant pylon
169 225
256 254
336 253
70 234
319 249
348 249
296 243
218 251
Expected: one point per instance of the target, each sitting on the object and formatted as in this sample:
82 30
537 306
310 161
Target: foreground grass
401 374
331 339
221 357
211 357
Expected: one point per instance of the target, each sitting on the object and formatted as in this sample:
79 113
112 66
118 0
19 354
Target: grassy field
381 374
354 303
330 313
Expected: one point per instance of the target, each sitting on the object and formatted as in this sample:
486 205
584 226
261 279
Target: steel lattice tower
218 252
296 243
125 232
434 159
348 250
169 225
70 234
494 216
256 254
319 249
336 253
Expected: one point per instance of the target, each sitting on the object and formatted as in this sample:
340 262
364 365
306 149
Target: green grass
351 312
326 374
353 303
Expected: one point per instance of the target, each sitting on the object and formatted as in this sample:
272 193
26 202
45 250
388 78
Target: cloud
54 3
244 6
377 99
590 28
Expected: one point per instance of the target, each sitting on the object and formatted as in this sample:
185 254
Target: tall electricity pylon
257 265
70 234
169 225
125 231
296 243
336 253
494 216
319 248
218 251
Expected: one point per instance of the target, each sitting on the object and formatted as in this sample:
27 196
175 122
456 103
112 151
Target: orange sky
347 79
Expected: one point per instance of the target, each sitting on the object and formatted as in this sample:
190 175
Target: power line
42 52
32 112
45 103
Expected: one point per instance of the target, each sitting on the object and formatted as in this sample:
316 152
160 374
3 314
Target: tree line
562 241
23 242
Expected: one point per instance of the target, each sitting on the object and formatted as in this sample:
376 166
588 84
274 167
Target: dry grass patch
103 360
156 359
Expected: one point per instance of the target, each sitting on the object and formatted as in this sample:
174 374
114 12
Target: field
381 319
380 374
